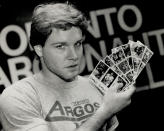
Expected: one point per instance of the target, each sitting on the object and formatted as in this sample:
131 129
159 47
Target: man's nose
72 53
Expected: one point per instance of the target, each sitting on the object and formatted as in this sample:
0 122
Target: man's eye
59 46
78 44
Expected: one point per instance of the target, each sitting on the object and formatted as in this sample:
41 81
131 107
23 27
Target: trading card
141 66
98 85
97 74
121 80
111 64
117 55
127 52
126 49
108 61
109 78
136 63
103 76
117 70
130 61
130 76
125 78
121 74
124 66
137 49
100 69
147 55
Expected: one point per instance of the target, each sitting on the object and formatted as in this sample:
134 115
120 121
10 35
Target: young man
57 98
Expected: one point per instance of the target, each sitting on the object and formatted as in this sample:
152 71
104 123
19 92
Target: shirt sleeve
19 110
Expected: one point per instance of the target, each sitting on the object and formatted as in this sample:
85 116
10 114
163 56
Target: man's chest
70 111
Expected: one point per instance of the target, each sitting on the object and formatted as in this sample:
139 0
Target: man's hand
115 100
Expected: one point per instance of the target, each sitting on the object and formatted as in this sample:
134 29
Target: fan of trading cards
123 65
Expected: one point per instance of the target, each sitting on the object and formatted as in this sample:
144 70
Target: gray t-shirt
32 102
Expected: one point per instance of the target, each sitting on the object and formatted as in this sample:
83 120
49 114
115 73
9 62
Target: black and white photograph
108 61
126 49
147 55
124 66
137 49
100 70
117 55
109 78
76 65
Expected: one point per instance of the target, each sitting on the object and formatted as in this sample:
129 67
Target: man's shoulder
20 92
19 87
22 82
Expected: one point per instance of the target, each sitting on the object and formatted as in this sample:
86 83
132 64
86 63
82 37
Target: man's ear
38 50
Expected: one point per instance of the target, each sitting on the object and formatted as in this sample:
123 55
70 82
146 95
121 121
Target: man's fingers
116 86
129 90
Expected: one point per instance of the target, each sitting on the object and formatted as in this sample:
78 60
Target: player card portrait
147 55
130 61
100 69
130 76
126 79
97 75
117 70
136 63
109 78
121 80
108 61
124 66
126 49
137 49
141 66
117 55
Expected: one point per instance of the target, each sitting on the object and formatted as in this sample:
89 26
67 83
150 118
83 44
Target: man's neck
53 79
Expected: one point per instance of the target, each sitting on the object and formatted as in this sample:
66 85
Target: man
57 98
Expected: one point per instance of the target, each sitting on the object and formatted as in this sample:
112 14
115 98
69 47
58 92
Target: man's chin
72 76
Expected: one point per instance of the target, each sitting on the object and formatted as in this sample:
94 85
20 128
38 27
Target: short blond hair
59 15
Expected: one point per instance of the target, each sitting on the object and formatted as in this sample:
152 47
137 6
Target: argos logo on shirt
76 113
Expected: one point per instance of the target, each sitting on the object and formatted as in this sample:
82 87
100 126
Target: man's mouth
72 66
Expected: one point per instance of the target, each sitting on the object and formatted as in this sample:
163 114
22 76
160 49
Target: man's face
62 53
